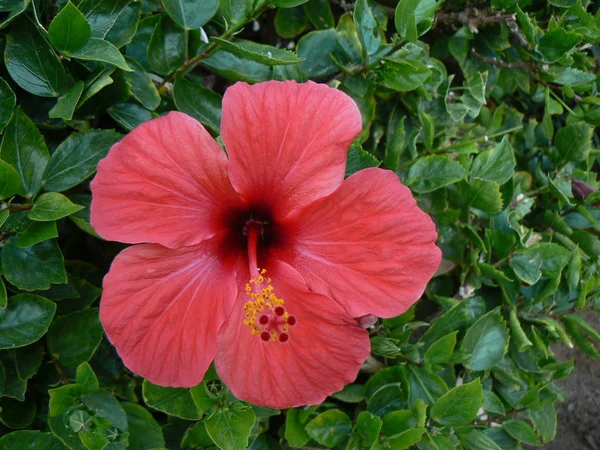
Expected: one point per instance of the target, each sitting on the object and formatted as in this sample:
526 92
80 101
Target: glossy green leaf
405 19
25 319
368 426
496 165
230 428
69 30
26 439
191 14
316 48
67 103
52 206
173 401
73 339
35 232
319 13
573 142
459 405
76 158
486 341
367 27
10 182
23 147
142 87
32 63
7 103
295 432
125 27
264 54
441 350
433 172
35 267
557 43
199 102
166 50
290 22
129 115
102 51
329 428
144 432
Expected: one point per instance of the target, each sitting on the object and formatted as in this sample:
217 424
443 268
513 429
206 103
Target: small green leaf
492 403
404 75
477 440
76 158
35 232
103 51
496 165
368 427
166 50
86 377
330 428
441 350
557 43
144 432
367 27
319 13
264 54
526 268
173 401
287 3
80 421
10 182
433 172
3 303
7 103
32 63
66 104
573 142
290 22
52 206
230 427
295 432
459 405
25 319
484 195
35 267
62 398
129 115
69 30
197 101
142 86
25 439
73 339
23 147
486 341
521 431
405 19
550 258
359 159
191 14
316 47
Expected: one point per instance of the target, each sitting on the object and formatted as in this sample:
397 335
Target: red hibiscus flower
260 259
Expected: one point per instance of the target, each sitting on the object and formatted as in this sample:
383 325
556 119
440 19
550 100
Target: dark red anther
291 321
263 320
279 311
284 337
265 336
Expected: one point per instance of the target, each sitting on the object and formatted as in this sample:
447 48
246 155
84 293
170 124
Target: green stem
479 139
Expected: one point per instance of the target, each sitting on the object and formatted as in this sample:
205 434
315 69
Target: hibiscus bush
484 110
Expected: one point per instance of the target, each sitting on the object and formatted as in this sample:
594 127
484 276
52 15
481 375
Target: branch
521 65
472 18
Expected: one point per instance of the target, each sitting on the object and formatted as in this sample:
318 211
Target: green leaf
351 393
230 427
319 13
76 158
404 75
166 50
32 63
197 437
406 439
52 206
405 19
368 427
557 43
287 3
290 22
125 27
459 405
454 319
104 404
517 332
102 14
3 305
433 172
235 68
26 440
552 258
144 432
264 54
486 341
173 401
573 142
521 431
35 232
191 14
35 267
66 104
73 339
25 319
129 115
80 421
477 440
441 350
484 195
295 432
202 398
62 398
316 47
197 101
103 51
544 421
17 414
526 268
14 8
10 182
359 159
86 377
492 404
23 147
82 218
142 86
7 103
496 165
69 30
330 428
367 27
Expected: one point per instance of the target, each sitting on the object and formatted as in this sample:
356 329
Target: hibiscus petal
287 142
166 182
162 309
325 349
367 245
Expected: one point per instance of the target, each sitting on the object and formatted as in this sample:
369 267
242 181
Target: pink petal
367 245
287 142
325 349
162 309
166 182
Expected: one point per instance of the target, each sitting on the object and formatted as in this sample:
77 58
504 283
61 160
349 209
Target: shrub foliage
486 110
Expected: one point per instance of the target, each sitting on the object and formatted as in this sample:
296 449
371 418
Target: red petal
287 142
325 349
368 245
162 309
165 182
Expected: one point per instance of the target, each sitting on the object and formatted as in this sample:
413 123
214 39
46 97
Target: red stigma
279 310
265 336
291 321
263 320
284 337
